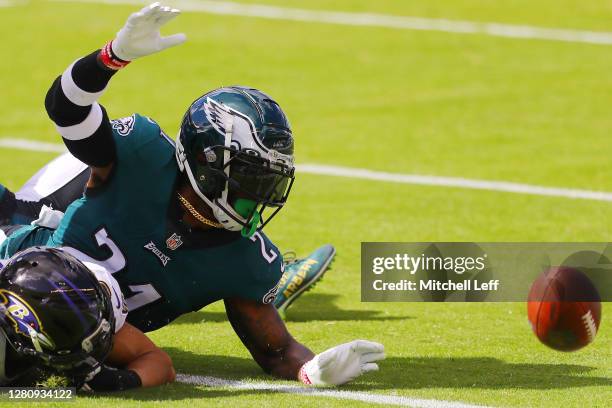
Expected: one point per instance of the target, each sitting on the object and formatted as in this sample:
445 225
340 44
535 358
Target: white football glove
140 35
343 363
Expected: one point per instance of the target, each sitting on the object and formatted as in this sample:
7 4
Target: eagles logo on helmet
236 147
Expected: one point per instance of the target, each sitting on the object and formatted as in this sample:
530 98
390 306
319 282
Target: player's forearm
149 369
135 352
72 100
154 368
71 103
265 335
286 363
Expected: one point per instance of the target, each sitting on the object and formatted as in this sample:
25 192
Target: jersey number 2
269 256
140 295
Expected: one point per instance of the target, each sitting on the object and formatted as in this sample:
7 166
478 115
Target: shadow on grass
310 307
230 367
395 374
417 372
170 392
478 373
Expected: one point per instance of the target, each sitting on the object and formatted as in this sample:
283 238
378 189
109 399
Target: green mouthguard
245 207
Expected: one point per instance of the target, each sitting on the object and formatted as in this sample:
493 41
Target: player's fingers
151 12
167 15
153 6
162 12
365 346
146 9
371 357
172 40
138 16
366 368
134 17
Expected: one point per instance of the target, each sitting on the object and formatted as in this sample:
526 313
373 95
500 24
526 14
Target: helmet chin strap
248 232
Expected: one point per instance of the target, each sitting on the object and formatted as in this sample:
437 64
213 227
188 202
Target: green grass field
419 102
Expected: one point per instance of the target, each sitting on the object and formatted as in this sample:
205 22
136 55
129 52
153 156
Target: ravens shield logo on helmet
53 308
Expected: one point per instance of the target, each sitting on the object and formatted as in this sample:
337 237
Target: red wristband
303 377
109 59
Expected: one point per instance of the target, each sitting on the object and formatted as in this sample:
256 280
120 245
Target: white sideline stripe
381 20
24 144
364 174
320 392
11 3
457 182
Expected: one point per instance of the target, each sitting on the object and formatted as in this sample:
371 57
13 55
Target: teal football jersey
22 237
131 226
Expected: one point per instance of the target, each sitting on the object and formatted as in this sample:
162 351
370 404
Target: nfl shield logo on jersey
174 242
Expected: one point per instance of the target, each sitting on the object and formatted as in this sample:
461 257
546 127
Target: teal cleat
301 275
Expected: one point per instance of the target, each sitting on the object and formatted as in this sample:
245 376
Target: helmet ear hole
209 182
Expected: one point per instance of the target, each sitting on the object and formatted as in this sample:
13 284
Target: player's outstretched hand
140 35
343 363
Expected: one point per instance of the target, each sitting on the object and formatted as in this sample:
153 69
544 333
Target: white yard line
321 392
458 182
381 20
24 144
11 3
365 174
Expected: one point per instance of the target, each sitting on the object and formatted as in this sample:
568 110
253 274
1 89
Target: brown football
564 309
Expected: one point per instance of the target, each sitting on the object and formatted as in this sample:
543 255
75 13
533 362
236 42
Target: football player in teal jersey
180 227
62 181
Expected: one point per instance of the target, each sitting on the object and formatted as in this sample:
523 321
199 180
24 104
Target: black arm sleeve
82 122
114 379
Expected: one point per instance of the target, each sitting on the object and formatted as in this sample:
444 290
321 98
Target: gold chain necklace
196 214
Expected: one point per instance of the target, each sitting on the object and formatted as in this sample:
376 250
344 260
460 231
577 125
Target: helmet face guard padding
240 169
32 301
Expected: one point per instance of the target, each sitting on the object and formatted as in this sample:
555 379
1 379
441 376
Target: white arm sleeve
107 281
